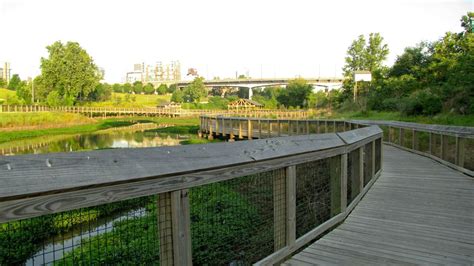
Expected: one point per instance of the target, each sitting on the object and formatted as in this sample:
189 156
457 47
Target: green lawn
42 120
6 94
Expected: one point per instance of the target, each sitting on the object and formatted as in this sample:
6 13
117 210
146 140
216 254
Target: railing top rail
443 129
117 174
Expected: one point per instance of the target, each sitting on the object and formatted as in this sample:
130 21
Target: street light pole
33 91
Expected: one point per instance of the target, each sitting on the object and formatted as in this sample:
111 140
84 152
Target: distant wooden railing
172 112
449 145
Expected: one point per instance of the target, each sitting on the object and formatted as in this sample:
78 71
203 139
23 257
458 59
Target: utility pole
33 91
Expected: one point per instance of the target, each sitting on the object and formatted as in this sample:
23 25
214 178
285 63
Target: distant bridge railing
450 145
220 203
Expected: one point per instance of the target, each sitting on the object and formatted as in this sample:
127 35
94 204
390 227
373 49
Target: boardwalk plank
417 212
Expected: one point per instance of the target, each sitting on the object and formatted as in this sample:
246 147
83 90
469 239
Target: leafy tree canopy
70 71
15 82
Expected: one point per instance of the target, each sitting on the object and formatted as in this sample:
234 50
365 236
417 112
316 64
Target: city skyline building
5 71
155 74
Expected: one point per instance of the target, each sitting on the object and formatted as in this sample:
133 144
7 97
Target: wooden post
373 159
297 127
460 150
217 126
269 128
318 127
259 129
401 137
249 129
343 182
325 126
223 127
334 126
291 205
361 167
307 126
240 130
430 149
389 134
335 184
180 217
444 147
414 141
279 128
165 229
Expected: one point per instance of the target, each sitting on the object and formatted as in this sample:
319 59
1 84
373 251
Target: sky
219 38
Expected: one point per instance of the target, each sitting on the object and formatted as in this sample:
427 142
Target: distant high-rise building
5 72
155 74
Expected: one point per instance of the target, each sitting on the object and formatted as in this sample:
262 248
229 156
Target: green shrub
422 102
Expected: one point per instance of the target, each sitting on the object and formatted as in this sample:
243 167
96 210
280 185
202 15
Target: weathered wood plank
419 218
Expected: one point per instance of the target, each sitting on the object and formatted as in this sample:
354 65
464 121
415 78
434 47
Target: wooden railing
287 191
449 145
148 111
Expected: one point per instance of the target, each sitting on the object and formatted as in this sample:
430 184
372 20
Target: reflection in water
99 140
55 248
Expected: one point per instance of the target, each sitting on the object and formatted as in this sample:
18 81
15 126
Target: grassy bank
95 125
42 120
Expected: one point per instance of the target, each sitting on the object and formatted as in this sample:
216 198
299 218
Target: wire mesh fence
117 233
407 138
367 163
317 193
232 222
353 175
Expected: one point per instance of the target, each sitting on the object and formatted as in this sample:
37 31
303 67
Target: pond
126 137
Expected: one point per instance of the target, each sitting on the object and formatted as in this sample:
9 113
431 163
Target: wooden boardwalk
417 212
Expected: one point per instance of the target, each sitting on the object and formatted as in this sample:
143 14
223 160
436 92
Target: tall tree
296 93
15 82
195 91
365 56
138 87
70 71
355 57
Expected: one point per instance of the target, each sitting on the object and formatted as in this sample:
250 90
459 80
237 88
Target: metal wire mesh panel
353 175
469 154
450 146
313 127
232 222
119 233
394 135
423 141
378 154
384 132
407 138
436 145
284 128
340 126
367 163
255 128
317 193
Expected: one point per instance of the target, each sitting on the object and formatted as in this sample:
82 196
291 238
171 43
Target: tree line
426 79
